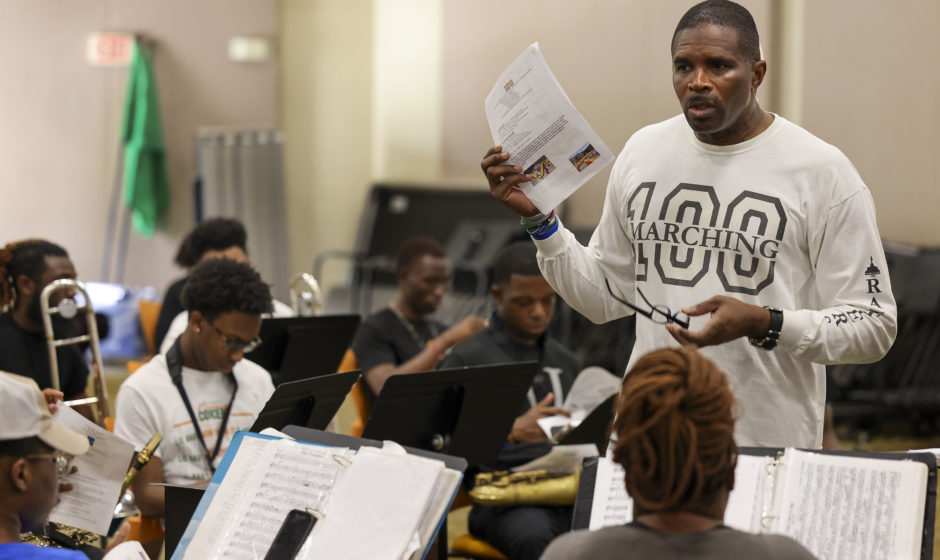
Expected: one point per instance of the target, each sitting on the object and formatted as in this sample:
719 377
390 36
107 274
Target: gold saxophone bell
127 506
67 308
502 488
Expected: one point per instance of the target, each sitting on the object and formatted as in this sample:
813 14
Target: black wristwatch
769 340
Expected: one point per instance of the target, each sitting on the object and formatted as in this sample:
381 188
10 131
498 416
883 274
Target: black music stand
465 412
310 402
593 429
296 348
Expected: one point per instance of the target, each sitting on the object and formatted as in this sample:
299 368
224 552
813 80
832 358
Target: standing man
764 234
517 332
402 338
26 267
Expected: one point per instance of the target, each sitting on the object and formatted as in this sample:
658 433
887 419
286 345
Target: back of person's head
516 258
216 234
24 258
414 249
674 428
218 286
723 13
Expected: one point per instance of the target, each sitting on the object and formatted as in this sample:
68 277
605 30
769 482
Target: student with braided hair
674 432
26 267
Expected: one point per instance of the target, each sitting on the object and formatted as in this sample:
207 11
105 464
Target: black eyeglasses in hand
659 314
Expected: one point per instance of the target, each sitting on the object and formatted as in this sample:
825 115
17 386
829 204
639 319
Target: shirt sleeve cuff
554 245
795 324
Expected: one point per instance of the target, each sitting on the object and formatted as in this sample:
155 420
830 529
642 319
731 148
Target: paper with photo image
531 117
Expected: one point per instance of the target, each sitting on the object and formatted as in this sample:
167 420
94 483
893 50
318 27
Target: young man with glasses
35 454
746 222
200 392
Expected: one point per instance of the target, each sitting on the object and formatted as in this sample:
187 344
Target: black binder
296 348
310 402
466 412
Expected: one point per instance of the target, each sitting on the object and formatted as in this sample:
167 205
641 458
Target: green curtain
146 189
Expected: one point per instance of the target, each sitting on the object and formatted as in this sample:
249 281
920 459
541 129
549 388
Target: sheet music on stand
836 504
360 514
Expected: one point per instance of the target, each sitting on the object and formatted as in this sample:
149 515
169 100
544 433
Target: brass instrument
126 506
306 299
502 488
68 309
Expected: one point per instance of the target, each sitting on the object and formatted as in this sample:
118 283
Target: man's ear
19 474
758 71
497 292
25 287
195 320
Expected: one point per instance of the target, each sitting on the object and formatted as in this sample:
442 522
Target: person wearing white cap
35 452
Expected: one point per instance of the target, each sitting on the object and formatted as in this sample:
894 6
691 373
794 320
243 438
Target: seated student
212 239
35 452
517 333
218 394
26 267
401 338
674 433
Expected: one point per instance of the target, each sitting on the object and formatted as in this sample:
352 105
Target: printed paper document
532 118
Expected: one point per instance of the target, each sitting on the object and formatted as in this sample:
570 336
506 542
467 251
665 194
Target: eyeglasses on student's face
61 460
233 345
659 314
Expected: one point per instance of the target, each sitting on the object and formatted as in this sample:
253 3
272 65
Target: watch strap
770 338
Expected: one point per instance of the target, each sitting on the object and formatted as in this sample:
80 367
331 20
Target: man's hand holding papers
540 137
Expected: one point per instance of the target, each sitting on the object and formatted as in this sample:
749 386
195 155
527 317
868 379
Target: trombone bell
67 308
306 299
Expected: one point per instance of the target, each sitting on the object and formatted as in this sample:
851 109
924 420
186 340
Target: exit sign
109 49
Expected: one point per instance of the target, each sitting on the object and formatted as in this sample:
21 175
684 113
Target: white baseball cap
25 414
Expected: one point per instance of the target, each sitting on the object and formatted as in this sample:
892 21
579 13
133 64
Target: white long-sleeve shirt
782 220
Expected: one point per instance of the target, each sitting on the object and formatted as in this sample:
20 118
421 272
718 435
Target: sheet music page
852 507
440 500
532 118
612 505
90 505
266 480
746 500
375 508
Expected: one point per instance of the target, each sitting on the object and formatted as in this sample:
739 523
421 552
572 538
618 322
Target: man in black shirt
26 267
516 333
215 238
401 338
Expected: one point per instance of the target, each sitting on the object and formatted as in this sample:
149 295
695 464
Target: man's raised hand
504 180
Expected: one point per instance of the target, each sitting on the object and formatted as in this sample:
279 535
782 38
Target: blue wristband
541 235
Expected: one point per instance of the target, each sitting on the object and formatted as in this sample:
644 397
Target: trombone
67 308
306 299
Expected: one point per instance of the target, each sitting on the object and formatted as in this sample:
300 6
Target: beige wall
379 90
872 89
326 114
612 58
61 116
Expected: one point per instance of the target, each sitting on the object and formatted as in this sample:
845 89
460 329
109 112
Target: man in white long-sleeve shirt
764 234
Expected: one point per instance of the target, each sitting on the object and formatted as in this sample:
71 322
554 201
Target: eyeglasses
61 460
659 314
231 345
